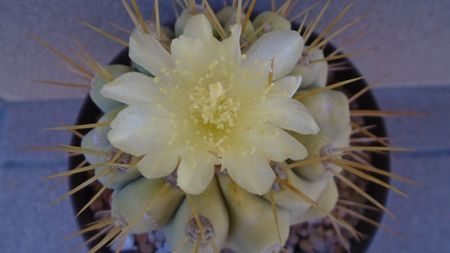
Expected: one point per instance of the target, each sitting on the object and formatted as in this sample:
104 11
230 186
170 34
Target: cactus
220 137
270 21
146 204
314 74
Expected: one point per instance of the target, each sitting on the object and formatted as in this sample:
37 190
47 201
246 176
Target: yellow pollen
212 107
215 92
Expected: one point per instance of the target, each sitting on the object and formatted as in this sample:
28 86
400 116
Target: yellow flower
210 105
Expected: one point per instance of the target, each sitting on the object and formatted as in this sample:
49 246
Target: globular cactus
238 192
239 213
222 138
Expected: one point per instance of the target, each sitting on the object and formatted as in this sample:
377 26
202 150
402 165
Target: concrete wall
412 37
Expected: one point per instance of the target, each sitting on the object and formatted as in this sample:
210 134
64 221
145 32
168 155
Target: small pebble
317 242
306 245
127 245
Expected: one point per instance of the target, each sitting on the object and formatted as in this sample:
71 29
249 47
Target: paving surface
423 219
30 224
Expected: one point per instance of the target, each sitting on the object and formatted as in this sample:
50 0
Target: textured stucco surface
412 38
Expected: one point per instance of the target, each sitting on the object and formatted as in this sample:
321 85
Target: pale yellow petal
286 86
159 163
137 130
195 171
276 144
189 54
133 88
232 44
250 171
284 46
146 51
290 114
97 83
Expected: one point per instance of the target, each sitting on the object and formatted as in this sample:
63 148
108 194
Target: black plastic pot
90 113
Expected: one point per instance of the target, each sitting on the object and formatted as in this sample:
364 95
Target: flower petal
195 171
159 163
189 54
277 145
251 171
232 44
132 88
146 51
97 83
199 27
282 45
139 129
290 114
286 86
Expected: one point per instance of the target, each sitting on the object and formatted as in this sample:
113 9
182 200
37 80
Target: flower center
210 106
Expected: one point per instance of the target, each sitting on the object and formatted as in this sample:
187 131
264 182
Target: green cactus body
313 69
145 204
271 21
96 139
331 111
226 14
252 224
182 20
289 200
327 201
314 144
227 18
166 33
118 176
210 210
106 104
